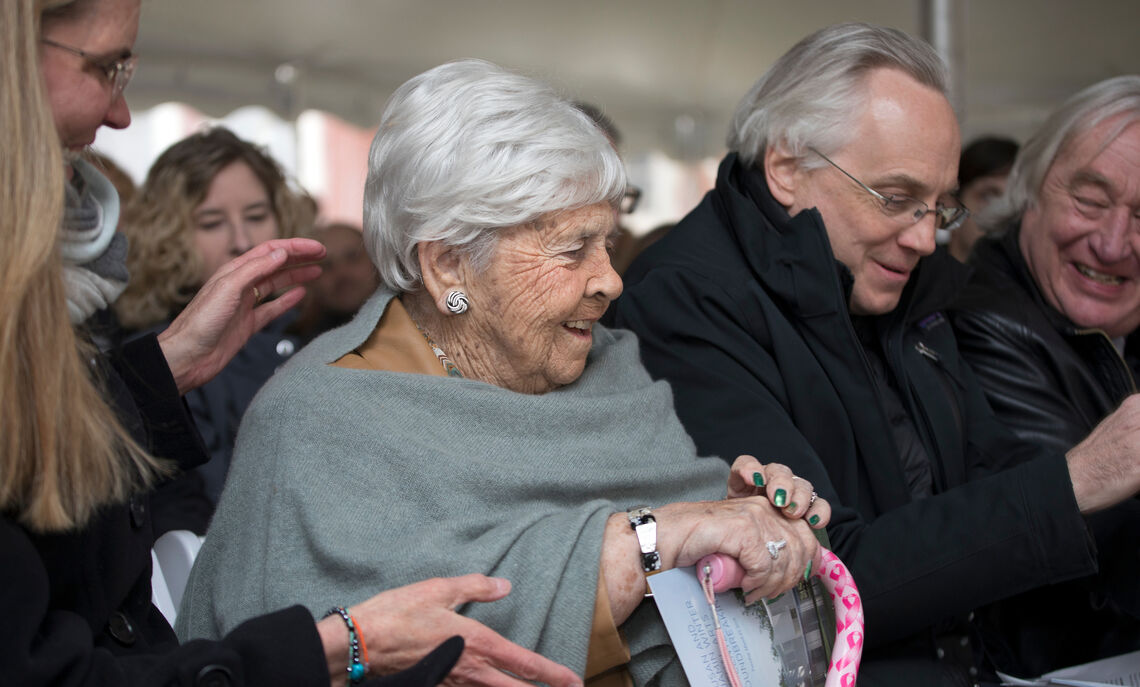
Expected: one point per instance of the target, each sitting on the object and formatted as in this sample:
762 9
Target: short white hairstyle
813 95
468 148
1118 97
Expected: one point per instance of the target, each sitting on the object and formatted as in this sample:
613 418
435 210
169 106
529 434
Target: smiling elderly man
1048 324
1048 318
797 313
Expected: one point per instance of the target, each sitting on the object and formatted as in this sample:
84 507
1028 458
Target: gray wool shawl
348 482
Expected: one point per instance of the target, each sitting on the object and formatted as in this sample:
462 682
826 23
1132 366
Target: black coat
219 404
1051 382
744 311
77 606
188 501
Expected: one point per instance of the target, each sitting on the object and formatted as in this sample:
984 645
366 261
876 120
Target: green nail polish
792 506
758 479
781 498
807 573
814 520
776 598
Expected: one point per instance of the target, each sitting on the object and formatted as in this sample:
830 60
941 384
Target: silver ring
811 501
775 546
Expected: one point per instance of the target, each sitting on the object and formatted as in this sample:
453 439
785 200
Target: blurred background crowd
308 81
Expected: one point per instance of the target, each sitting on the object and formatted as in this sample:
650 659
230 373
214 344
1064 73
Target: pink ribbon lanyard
705 573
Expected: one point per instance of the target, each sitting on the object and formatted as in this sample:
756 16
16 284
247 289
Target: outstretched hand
228 310
401 625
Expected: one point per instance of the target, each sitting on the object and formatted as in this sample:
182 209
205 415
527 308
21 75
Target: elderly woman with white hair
86 435
474 417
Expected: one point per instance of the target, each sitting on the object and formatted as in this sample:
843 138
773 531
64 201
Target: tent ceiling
668 71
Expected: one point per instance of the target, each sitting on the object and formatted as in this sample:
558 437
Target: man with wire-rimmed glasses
797 313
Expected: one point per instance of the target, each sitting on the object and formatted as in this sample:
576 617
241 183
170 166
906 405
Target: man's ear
441 266
783 174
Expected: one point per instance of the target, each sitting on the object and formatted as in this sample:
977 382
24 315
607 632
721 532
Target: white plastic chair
159 592
173 557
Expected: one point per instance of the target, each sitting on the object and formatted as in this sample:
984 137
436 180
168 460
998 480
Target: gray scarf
94 254
348 482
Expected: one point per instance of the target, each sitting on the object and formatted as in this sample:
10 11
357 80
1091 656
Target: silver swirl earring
456 302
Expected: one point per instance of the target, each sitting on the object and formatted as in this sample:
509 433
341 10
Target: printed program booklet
771 642
1117 671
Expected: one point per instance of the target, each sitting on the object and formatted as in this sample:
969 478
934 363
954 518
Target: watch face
645 528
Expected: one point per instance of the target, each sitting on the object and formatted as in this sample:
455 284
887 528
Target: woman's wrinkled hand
790 494
228 310
402 625
742 528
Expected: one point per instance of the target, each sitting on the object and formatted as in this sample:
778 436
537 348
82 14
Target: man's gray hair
814 94
1118 97
467 148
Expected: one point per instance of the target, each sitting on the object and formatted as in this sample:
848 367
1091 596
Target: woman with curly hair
206 200
181 230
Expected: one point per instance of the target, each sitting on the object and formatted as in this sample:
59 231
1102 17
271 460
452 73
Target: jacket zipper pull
927 351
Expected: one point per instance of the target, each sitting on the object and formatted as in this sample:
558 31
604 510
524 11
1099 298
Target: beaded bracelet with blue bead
356 669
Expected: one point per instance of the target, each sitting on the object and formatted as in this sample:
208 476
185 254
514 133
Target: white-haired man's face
1081 238
906 143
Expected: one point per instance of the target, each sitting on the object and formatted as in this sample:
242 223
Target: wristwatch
645 527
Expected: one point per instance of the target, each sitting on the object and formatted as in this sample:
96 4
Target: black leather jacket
1049 380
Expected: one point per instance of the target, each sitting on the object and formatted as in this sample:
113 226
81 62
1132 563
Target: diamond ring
774 548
